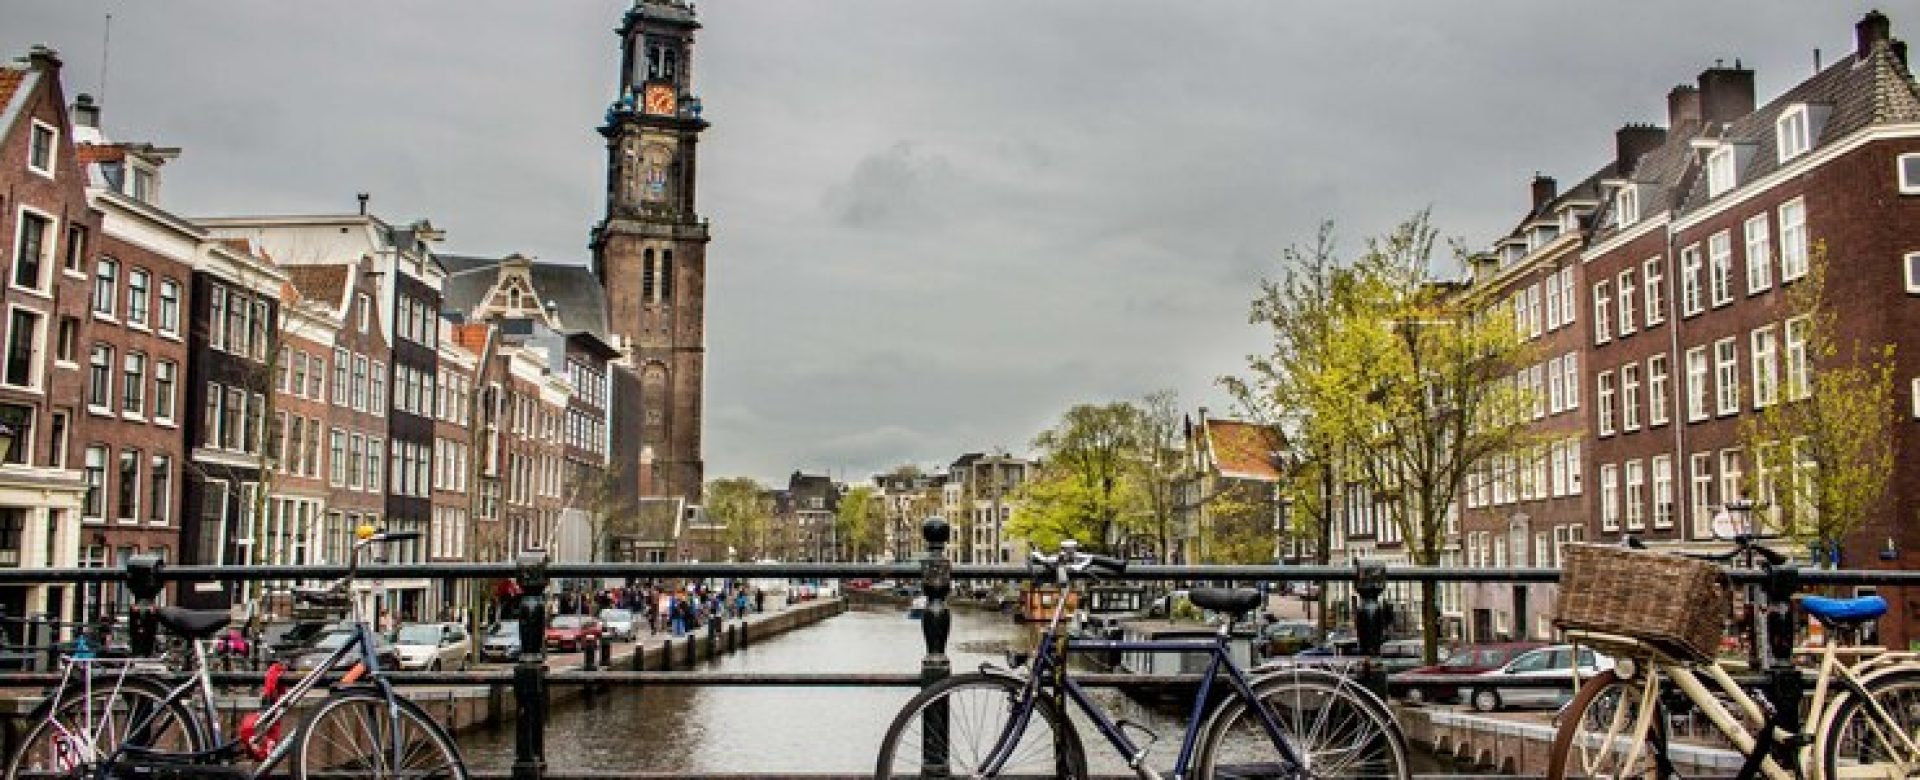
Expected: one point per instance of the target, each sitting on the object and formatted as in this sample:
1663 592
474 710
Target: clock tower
649 251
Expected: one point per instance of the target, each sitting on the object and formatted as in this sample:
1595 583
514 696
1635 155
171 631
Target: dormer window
1792 132
143 185
41 148
1626 206
1720 173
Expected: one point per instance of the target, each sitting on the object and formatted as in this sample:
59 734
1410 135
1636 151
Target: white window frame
1916 397
1653 280
1793 132
1570 364
1626 206
1700 493
1568 305
1662 479
1799 369
1602 302
1763 355
1720 173
1911 262
1691 300
1759 254
53 148
1726 376
1634 495
37 359
1731 473
1552 300
1793 240
1720 268
1699 388
1603 382
1556 387
1657 390
1630 397
1909 185
1610 498
1575 467
48 257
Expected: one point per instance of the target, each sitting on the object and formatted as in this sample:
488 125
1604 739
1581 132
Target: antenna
106 47
1816 60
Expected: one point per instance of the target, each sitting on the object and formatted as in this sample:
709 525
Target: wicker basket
1677 604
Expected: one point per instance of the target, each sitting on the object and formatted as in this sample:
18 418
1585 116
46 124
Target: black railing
530 679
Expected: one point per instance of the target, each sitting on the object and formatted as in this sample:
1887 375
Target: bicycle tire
180 732
1599 697
1903 685
973 700
1234 738
349 715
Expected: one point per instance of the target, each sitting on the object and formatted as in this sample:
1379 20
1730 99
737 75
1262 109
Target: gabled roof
326 284
16 85
1244 450
573 290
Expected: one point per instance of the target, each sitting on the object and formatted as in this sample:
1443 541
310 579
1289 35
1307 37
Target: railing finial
530 674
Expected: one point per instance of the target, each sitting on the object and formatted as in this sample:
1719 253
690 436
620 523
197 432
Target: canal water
740 729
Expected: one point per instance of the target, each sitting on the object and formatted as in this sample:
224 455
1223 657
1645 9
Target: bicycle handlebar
1742 543
1070 561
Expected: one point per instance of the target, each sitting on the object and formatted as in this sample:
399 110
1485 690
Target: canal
738 729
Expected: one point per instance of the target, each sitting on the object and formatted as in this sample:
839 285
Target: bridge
526 693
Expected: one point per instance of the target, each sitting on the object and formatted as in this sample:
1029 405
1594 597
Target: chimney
1544 188
1631 141
1871 29
1726 93
86 113
1900 52
1683 108
363 198
43 58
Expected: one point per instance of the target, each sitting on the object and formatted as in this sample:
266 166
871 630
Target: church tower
650 249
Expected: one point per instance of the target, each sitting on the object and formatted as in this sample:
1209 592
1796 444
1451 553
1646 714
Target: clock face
659 99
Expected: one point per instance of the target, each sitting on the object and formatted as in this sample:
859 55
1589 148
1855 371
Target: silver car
618 623
1486 692
432 647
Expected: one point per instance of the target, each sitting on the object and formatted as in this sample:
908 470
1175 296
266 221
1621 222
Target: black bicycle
1011 720
129 717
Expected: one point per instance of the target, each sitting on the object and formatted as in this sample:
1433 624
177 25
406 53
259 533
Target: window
213 524
164 382
1605 384
1730 474
93 506
1656 293
377 397
1799 367
317 378
129 487
160 484
1602 302
41 147
1536 384
1909 174
356 448
373 465
283 371
1567 313
1533 308
1697 384
1690 302
1720 176
217 316
137 281
233 419
1553 315
1913 272
1626 206
342 363
1726 361
106 286
1720 264
76 257
1791 133
32 249
1630 397
100 377
133 389
1629 297
337 448
360 383
1759 255
1570 365
1609 498
1636 491
238 333
257 328
1765 371
1700 495
1657 390
366 312
23 348
1793 240
1556 387
169 306
1662 466
67 340
1520 315
57 454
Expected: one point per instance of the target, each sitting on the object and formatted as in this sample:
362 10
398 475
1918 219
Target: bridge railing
530 678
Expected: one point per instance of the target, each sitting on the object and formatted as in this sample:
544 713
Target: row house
980 500
454 402
1228 496
909 497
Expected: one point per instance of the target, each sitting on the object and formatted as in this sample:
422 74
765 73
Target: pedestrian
678 615
759 600
740 603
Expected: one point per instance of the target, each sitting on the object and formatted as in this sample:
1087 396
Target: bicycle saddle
1840 611
194 623
1232 601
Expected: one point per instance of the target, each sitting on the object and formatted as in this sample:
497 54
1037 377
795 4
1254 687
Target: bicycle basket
1677 604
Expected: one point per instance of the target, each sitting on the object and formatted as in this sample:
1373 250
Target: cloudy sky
935 225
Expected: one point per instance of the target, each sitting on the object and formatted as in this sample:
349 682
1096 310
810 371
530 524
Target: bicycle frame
1049 664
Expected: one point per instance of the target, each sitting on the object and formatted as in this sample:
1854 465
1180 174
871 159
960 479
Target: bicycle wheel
1859 741
980 708
1596 730
82 725
1337 728
353 735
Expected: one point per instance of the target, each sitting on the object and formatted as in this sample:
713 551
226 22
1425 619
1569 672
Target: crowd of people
665 608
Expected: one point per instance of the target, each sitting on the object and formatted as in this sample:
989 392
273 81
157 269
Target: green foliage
1822 453
745 508
1094 450
857 521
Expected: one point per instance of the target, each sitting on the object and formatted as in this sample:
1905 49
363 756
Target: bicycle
1863 715
1011 720
125 717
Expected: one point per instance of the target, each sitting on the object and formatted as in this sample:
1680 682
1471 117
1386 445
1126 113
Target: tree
1157 465
1832 429
609 514
1058 504
1405 383
857 521
741 505
1095 446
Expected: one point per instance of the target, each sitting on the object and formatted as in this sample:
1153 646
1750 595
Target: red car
1441 681
567 632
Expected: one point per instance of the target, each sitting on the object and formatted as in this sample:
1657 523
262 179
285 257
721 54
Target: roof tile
1244 450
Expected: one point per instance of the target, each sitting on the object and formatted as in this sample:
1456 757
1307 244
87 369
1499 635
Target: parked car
432 646
1286 637
618 623
1401 655
286 642
1547 663
1440 682
859 584
336 637
568 632
502 642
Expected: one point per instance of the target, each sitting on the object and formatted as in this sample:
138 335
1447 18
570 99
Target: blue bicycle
1011 720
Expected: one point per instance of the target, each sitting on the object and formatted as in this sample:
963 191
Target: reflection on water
739 729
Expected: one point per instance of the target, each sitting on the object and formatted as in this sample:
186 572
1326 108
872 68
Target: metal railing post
936 582
530 673
143 582
1370 621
